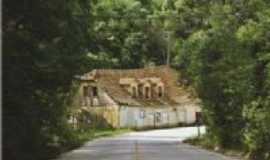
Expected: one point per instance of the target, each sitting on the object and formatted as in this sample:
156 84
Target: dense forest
221 46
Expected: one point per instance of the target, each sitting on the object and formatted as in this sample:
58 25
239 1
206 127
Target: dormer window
89 91
146 88
95 91
134 91
147 92
160 91
90 96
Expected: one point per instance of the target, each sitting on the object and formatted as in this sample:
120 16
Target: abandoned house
138 98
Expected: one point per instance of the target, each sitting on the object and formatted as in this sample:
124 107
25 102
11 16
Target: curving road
163 144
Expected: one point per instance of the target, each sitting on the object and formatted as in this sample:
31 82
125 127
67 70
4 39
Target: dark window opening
95 91
160 91
198 117
147 92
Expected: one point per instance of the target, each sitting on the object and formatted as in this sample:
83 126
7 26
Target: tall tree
43 42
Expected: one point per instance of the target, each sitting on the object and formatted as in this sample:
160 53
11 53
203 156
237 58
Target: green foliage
257 131
131 32
226 58
43 43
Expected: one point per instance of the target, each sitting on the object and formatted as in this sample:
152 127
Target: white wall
139 117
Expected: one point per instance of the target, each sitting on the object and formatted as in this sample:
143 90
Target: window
198 116
142 114
134 92
147 92
95 91
160 91
158 117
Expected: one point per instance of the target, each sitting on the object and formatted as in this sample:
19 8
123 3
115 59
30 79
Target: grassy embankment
80 137
99 133
206 143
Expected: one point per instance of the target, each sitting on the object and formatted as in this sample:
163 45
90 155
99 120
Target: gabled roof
109 81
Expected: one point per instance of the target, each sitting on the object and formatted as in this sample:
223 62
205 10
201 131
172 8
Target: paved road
146 145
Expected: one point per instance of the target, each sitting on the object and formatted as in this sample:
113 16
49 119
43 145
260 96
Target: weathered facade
137 98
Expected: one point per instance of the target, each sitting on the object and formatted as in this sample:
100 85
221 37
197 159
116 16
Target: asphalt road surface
163 144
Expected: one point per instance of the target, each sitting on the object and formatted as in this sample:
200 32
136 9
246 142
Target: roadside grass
200 141
165 127
99 133
206 143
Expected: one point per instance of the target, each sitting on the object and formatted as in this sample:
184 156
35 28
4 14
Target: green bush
257 131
